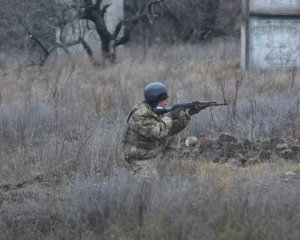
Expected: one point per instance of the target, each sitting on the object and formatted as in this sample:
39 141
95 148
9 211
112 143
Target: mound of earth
228 149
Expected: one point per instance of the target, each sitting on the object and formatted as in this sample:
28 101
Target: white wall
115 13
271 34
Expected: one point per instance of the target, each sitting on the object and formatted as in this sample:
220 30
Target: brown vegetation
62 174
34 31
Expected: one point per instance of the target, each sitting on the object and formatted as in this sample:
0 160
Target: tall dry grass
222 203
62 173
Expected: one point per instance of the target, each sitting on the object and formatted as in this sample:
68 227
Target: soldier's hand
174 114
195 109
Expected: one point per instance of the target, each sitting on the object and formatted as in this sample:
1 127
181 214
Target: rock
241 158
275 141
228 149
221 160
227 138
234 162
288 154
254 160
281 146
191 141
295 148
266 145
185 152
289 139
247 144
290 173
265 154
271 143
285 179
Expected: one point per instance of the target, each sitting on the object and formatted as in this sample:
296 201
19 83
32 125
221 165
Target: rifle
186 106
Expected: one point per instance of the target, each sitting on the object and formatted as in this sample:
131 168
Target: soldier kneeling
148 135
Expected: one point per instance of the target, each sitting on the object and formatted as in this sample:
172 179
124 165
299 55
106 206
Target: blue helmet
155 92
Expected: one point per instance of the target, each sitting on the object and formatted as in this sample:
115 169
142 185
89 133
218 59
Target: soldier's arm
180 123
151 126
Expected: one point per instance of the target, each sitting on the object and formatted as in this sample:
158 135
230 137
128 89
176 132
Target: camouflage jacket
148 134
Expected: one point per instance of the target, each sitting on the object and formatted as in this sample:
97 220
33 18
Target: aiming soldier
149 135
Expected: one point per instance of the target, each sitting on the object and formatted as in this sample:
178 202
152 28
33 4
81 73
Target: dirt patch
228 149
291 177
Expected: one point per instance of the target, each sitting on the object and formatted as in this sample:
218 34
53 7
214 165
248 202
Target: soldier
149 135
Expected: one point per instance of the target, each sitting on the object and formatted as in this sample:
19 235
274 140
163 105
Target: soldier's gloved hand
174 114
195 109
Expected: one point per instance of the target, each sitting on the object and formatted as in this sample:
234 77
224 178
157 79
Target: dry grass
62 174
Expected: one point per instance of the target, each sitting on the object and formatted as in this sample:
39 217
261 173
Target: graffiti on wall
274 43
271 34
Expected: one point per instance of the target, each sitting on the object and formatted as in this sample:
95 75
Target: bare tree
40 27
196 20
31 26
95 12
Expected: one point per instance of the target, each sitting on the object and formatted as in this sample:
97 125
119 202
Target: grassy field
61 170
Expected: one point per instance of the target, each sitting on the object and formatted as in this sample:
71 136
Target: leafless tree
195 20
32 26
29 25
136 11
42 26
190 21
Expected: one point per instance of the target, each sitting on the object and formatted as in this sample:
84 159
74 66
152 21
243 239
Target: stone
265 154
191 141
275 141
290 173
234 162
288 154
254 160
281 146
247 144
241 158
295 148
266 145
227 138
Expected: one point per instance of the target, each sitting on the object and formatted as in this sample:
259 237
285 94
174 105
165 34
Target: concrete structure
115 13
270 34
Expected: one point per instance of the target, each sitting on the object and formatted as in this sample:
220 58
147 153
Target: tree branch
88 3
104 9
128 8
117 29
126 36
97 4
145 11
86 48
35 39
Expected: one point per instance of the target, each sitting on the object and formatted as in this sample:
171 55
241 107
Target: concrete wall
115 13
274 43
271 34
275 6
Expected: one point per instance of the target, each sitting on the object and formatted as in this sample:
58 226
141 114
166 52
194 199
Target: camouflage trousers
144 169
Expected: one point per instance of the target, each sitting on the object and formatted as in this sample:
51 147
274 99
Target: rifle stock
186 106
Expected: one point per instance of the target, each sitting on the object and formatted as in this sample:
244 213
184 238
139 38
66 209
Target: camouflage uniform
148 135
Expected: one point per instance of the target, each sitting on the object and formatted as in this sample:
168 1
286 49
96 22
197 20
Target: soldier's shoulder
141 109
